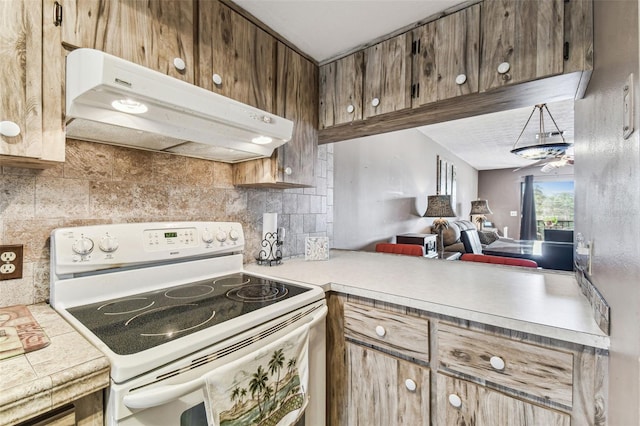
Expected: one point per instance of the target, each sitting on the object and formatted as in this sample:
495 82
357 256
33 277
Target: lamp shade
439 206
480 207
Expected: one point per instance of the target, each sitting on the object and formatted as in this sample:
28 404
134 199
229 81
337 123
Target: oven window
194 416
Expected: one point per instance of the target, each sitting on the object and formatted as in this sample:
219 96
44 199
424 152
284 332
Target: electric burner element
126 306
189 292
257 293
148 321
232 281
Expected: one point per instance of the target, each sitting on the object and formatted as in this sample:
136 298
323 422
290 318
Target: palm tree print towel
265 388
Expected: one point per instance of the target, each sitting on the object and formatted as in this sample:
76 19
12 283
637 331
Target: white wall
381 186
607 180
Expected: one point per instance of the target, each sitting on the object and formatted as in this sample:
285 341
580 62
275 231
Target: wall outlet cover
11 260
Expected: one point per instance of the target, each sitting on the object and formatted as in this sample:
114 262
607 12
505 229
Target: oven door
174 394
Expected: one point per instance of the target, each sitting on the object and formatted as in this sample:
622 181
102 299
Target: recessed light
129 106
262 140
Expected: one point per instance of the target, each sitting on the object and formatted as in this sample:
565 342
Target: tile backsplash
107 184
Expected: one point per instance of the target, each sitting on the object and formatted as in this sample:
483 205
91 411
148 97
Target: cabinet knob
179 64
497 363
288 171
350 109
217 79
504 68
411 385
375 102
461 79
380 331
455 400
9 129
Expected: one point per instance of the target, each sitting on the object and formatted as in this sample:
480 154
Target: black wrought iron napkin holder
271 252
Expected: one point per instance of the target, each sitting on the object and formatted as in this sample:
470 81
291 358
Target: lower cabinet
463 403
394 365
386 390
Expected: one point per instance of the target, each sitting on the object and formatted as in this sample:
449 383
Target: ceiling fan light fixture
542 150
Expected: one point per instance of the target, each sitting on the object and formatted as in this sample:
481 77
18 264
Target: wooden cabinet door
341 90
21 68
387 76
483 407
239 53
379 392
292 164
297 100
525 34
446 57
151 33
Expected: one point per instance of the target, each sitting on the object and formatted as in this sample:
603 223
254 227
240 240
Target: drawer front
404 334
538 371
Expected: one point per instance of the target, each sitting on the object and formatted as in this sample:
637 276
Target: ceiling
326 29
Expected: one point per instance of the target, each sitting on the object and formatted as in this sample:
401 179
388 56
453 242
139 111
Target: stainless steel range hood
162 113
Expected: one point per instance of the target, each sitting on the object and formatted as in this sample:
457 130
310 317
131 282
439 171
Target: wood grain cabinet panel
479 406
527 35
151 33
541 372
392 331
341 90
446 57
31 81
385 390
387 78
293 164
237 52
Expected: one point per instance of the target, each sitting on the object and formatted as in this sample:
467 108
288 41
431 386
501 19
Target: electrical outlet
514 213
11 262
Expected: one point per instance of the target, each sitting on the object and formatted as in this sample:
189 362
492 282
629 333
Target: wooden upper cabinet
237 59
341 90
31 82
522 41
152 33
387 78
446 55
292 164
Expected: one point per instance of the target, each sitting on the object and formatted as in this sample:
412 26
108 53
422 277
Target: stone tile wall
108 184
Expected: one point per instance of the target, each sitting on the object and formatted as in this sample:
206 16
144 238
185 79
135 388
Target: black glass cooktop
132 324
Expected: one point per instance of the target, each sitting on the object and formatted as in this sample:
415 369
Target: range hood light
129 106
262 140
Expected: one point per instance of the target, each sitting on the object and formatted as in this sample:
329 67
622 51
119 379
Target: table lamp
479 208
439 206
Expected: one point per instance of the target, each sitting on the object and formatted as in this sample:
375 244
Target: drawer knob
380 331
455 400
497 363
411 385
375 102
9 129
504 68
461 79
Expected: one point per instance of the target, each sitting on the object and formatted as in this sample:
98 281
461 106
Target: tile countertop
44 379
544 303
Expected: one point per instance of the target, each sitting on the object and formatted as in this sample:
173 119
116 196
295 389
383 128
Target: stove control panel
91 248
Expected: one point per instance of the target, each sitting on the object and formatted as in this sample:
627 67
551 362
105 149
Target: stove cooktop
135 323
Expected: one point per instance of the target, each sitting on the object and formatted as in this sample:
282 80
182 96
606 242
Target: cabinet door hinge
417 90
413 47
57 14
413 91
565 52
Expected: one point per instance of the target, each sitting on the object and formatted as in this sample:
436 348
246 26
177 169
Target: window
554 205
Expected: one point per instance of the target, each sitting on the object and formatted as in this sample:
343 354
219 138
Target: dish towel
266 388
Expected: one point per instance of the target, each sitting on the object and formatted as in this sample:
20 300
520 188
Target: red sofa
408 249
487 258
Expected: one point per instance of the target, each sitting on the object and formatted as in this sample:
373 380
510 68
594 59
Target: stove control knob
83 246
109 244
207 236
221 236
233 235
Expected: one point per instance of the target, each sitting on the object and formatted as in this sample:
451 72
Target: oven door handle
167 393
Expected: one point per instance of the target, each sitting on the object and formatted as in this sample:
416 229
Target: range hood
114 101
